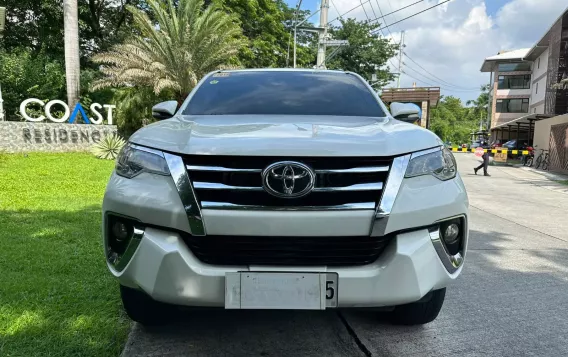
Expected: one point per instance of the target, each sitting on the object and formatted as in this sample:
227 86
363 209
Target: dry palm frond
187 42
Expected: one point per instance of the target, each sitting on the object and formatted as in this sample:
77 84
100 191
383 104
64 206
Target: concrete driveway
510 300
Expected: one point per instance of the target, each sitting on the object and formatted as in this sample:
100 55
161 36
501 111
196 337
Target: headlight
134 160
439 163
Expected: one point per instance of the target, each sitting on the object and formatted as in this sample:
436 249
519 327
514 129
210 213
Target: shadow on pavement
507 302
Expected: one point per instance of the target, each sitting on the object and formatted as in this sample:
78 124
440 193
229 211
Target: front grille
290 251
224 181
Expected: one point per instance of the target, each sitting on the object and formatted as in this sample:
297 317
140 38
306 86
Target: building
523 93
522 81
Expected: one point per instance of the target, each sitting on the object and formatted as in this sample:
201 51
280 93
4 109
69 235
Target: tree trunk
72 69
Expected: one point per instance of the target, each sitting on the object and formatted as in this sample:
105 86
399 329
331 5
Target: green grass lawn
56 296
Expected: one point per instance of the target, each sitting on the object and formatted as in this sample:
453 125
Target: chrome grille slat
235 182
219 169
219 186
375 186
345 207
354 170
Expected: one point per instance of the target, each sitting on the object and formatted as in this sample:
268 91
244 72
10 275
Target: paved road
510 300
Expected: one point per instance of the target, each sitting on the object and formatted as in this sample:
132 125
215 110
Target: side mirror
164 110
407 112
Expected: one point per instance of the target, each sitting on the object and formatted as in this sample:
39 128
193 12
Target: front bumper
167 270
411 266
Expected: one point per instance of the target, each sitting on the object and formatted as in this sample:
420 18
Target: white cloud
451 40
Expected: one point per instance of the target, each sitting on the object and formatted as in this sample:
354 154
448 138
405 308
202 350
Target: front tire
421 312
143 309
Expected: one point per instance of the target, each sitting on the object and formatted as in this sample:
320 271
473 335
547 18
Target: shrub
108 147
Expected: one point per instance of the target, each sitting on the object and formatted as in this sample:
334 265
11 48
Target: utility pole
303 28
324 7
400 58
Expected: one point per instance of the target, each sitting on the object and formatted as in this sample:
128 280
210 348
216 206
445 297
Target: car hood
281 135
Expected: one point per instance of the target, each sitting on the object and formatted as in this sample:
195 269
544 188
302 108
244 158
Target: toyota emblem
288 179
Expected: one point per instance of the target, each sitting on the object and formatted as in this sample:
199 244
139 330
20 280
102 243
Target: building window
513 105
534 110
513 67
514 82
538 64
536 89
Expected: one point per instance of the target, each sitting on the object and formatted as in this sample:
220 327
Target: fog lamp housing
122 237
449 238
452 233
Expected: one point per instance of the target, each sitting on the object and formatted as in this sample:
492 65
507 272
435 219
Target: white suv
284 189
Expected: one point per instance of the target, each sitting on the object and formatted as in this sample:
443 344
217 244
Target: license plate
296 291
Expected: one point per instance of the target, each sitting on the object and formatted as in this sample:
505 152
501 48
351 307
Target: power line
382 16
394 17
365 11
402 8
372 8
418 13
436 84
424 69
433 75
348 11
332 3
420 80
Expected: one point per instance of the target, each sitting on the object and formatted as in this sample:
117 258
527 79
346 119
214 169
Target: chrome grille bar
358 187
219 186
344 207
355 170
219 169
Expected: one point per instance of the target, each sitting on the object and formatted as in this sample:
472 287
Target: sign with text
95 109
50 137
500 157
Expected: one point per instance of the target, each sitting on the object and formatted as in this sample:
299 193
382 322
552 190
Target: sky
451 41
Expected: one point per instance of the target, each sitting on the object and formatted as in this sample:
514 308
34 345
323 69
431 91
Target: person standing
485 162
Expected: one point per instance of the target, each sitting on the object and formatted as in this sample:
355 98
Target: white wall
539 109
541 84
538 71
542 130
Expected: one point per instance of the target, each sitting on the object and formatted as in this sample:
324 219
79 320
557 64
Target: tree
268 24
24 75
481 104
366 54
453 122
30 25
72 66
175 52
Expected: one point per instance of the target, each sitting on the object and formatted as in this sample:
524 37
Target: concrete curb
549 175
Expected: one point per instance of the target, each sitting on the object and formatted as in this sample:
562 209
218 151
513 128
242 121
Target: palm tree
72 66
187 42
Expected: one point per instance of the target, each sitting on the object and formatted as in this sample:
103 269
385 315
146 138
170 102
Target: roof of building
523 122
524 54
508 56
542 44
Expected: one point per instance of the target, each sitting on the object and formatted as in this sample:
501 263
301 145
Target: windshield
284 92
